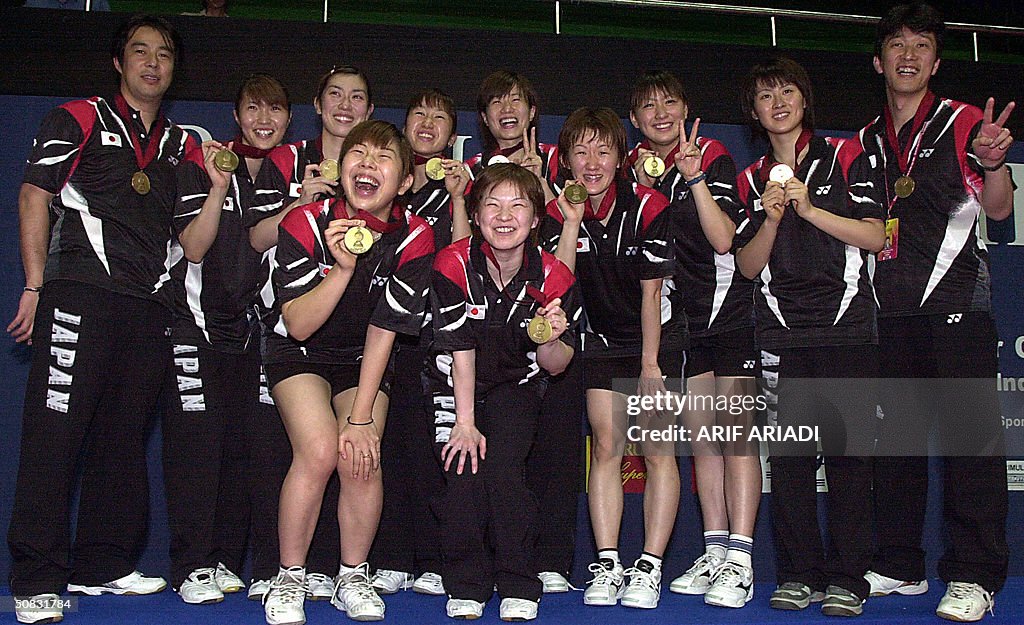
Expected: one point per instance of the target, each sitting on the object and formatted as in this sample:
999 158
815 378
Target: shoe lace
549 577
639 577
966 590
357 583
602 575
707 562
729 574
288 587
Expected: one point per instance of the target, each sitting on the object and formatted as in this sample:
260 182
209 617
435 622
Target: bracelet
994 167
33 289
349 420
699 178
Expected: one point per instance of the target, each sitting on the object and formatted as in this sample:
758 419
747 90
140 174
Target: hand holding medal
548 324
773 200
688 156
573 201
220 178
315 184
455 174
336 239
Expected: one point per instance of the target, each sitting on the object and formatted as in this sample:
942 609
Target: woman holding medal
351 273
436 195
619 233
502 310
217 418
297 174
715 301
812 217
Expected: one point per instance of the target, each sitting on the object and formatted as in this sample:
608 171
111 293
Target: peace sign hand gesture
993 139
530 159
688 158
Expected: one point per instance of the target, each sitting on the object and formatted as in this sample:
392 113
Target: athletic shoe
644 587
513 609
697 579
200 588
554 582
965 602
282 604
882 585
607 586
464 608
258 588
43 608
319 587
134 583
794 596
429 584
841 602
732 586
354 595
388 582
227 581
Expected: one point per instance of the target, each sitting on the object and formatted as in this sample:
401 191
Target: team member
623 253
700 181
415 477
815 319
489 372
293 177
942 163
216 363
104 167
342 309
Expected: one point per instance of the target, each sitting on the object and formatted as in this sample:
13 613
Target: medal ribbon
506 152
606 205
382 227
917 131
142 158
422 160
247 151
805 137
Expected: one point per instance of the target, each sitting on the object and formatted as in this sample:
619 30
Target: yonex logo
748 364
172 160
632 250
925 153
955 318
379 280
823 190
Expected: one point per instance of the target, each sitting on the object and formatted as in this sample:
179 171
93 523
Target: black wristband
33 289
994 167
696 179
349 420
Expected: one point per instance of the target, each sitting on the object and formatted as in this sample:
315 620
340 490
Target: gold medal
904 186
781 173
225 160
539 330
654 166
435 170
497 158
140 182
329 169
576 193
358 240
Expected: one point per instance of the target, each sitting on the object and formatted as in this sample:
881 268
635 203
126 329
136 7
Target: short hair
917 17
775 72
587 121
436 98
521 178
263 88
653 82
347 70
125 32
498 84
381 134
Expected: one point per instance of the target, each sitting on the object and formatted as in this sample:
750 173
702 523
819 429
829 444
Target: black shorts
729 354
340 377
601 372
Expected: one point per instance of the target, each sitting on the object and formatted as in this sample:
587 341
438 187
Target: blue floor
408 608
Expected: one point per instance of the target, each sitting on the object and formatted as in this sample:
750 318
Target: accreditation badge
892 239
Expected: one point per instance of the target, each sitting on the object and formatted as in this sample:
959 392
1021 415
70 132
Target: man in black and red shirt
98 319
942 166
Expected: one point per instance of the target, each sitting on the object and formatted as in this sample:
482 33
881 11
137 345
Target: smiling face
343 104
658 116
505 216
262 125
594 161
507 117
779 108
429 129
908 62
147 68
373 176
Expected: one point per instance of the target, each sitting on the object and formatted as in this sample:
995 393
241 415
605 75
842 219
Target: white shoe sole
727 602
688 590
907 591
95 591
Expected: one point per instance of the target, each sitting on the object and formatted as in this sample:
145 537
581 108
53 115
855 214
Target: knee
605 449
662 464
317 460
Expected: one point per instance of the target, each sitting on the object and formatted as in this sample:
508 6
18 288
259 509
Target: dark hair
775 72
380 134
917 17
127 30
522 179
347 70
263 88
497 85
436 98
652 82
585 122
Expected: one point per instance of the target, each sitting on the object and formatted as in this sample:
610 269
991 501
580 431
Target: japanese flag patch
109 138
475 311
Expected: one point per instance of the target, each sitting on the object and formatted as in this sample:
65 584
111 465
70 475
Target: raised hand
456 177
993 139
334 239
218 179
530 159
313 184
688 157
556 317
773 201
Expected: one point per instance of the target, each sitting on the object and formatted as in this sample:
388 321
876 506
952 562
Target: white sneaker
200 588
429 584
43 608
882 585
258 588
356 597
554 582
965 602
608 584
513 609
644 587
134 583
697 579
464 608
732 586
319 587
388 582
227 581
283 603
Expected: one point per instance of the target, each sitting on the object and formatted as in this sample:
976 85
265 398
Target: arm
717 226
263 235
650 327
554 356
572 217
34 229
200 233
465 439
867 234
455 181
997 196
305 314
752 257
990 146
